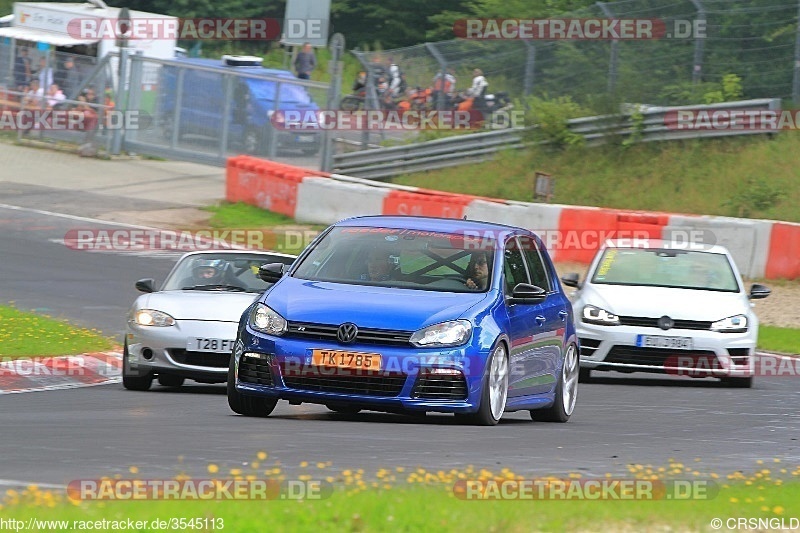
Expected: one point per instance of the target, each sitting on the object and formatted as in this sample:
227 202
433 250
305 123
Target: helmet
209 270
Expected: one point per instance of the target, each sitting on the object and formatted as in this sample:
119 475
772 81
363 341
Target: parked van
252 103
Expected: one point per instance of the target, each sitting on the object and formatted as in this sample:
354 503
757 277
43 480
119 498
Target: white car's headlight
451 333
264 319
732 324
151 317
596 315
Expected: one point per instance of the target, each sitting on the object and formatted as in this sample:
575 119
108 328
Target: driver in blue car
379 266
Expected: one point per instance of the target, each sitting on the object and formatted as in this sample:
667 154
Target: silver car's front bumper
164 349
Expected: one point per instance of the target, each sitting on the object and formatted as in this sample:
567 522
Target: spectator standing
45 73
22 70
305 62
68 77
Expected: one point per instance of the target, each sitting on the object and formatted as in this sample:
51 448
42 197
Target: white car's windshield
221 272
399 258
665 268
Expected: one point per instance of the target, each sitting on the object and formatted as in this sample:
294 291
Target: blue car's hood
367 306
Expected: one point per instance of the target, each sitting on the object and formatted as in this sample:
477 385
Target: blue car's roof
444 225
217 63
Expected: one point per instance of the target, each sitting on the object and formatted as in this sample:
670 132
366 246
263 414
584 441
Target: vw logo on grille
347 332
665 323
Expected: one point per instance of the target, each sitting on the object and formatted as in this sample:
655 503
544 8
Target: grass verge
25 334
277 232
782 340
754 177
428 507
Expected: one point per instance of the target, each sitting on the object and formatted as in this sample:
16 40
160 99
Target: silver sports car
187 328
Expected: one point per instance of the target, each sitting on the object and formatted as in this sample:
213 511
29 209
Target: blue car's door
531 355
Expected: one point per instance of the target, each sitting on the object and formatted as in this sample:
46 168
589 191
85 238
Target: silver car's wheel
566 393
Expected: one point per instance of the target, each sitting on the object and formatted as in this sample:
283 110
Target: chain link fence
705 41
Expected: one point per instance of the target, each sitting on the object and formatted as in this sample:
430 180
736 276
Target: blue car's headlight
264 319
451 333
151 317
596 315
732 324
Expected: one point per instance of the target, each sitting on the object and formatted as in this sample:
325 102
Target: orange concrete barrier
581 232
783 260
429 205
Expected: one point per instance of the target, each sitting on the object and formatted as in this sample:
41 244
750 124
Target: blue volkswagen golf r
411 314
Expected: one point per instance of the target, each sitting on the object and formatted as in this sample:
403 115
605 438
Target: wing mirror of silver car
759 291
145 285
271 272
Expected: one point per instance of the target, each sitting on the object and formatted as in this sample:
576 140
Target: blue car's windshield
665 268
400 258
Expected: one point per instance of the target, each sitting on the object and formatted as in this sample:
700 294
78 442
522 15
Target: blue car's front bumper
406 375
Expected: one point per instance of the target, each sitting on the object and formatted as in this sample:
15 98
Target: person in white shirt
34 94
55 96
479 84
45 73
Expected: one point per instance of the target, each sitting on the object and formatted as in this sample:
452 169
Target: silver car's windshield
235 271
401 258
666 268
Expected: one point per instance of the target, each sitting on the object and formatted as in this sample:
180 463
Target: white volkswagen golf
653 306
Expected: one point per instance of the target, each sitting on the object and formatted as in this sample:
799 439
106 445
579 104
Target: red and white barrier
761 248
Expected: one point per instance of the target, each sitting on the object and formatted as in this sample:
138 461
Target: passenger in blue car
478 271
379 266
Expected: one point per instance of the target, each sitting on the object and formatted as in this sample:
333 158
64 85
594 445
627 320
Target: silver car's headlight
451 333
264 319
151 317
732 324
596 315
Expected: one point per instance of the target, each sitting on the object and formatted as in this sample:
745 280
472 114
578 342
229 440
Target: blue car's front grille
440 387
366 383
309 330
256 370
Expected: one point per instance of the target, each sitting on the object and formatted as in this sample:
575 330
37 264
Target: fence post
226 113
441 96
176 113
612 62
272 134
699 41
334 93
135 94
796 78
530 67
116 143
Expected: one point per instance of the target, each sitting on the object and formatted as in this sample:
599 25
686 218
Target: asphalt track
57 436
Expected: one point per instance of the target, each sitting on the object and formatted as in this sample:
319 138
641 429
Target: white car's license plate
658 341
197 344
305 138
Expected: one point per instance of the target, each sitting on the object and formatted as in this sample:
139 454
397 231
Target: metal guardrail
383 163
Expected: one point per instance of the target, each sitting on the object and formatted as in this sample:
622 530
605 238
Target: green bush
550 118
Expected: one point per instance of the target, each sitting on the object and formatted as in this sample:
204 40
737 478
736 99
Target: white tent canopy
41 36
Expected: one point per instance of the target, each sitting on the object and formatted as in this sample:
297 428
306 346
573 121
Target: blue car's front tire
246 405
494 390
